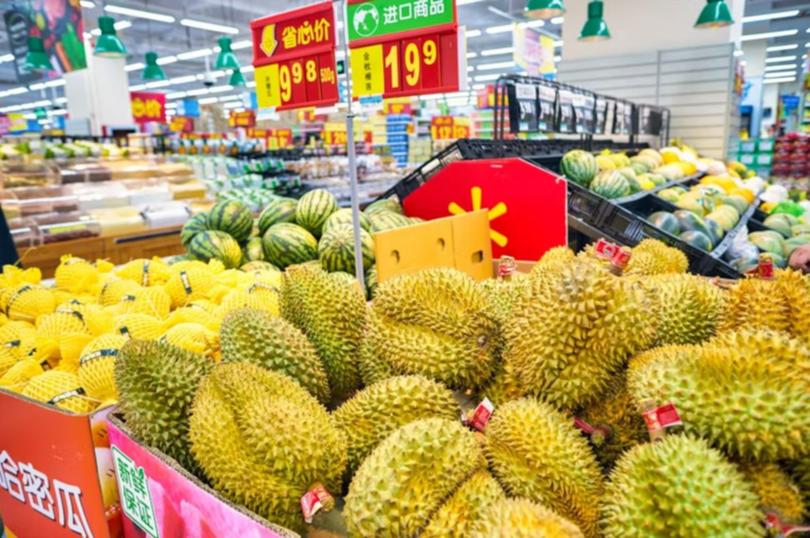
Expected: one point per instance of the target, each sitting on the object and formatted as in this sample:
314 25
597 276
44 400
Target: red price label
448 128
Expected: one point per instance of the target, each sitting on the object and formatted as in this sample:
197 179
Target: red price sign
334 137
408 52
279 138
148 106
246 118
448 128
294 57
181 124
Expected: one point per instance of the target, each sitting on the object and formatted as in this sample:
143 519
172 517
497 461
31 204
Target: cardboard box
161 498
56 472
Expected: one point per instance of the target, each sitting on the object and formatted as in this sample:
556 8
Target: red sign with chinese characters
294 57
181 124
246 118
448 128
148 106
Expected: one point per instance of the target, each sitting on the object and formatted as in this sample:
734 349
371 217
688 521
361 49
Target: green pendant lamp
108 45
37 59
544 9
595 28
226 58
237 79
152 71
715 14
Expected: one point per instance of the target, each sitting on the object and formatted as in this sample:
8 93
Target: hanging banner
59 24
294 57
148 106
18 26
403 47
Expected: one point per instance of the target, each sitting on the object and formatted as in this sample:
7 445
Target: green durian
777 492
264 441
678 488
535 452
437 323
522 518
156 385
331 311
503 294
271 342
463 509
408 476
376 411
750 404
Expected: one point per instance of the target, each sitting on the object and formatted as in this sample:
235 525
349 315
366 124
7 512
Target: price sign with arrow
294 57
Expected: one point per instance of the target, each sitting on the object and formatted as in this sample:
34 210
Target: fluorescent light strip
472 55
137 87
120 25
55 83
497 52
208 100
558 58
467 2
163 60
779 59
87 4
251 84
493 66
500 29
768 35
243 44
158 84
771 16
557 20
230 98
778 80
194 54
558 43
183 80
539 23
139 13
134 67
220 89
14 91
738 52
175 95
486 78
781 74
781 47
472 33
211 27
247 69
781 67
6 58
199 91
60 100
37 86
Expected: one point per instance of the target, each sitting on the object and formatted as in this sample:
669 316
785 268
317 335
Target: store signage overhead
294 57
148 106
403 47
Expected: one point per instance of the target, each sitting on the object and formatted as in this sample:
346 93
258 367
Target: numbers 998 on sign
302 80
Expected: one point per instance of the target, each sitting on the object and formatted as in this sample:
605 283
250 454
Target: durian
756 303
331 312
678 488
437 323
156 384
376 411
777 492
522 518
463 510
62 389
264 441
256 297
408 476
535 452
652 257
796 292
273 343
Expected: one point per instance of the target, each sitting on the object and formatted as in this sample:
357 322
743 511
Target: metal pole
351 150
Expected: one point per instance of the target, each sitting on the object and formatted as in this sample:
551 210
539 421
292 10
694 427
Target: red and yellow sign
246 118
449 128
181 124
334 134
148 106
413 62
397 106
294 57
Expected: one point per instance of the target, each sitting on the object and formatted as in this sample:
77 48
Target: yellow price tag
367 71
268 89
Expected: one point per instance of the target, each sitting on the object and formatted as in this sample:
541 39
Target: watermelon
231 217
779 223
336 249
314 208
658 179
344 216
259 266
670 195
691 222
278 210
744 264
286 244
666 221
193 226
387 220
716 232
579 166
697 239
371 282
610 184
386 204
253 250
216 245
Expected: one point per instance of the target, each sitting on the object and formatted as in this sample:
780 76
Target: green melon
745 264
344 216
314 208
194 225
232 217
610 184
387 220
716 232
795 242
688 221
336 249
579 166
260 266
697 239
666 221
800 229
215 244
779 223
287 244
253 250
736 201
671 195
768 241
386 204
277 210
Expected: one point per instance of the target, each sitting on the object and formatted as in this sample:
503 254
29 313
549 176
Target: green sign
378 18
134 488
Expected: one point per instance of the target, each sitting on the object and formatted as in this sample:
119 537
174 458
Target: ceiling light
226 58
558 43
137 87
771 16
557 20
243 44
6 58
558 58
781 47
252 84
175 95
497 52
198 91
158 84
539 23
55 83
210 26
152 71
208 100
500 29
715 14
779 80
36 58
779 59
133 67
595 28
167 60
496 65
738 52
472 55
194 54
87 4
467 2
14 91
139 13
781 74
779 67
219 89
485 78
183 80
472 33
544 9
768 35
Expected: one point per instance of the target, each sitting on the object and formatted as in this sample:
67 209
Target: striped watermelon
214 244
610 184
196 224
259 266
231 217
336 249
387 220
314 208
371 281
386 204
253 250
278 210
286 244
344 216
579 166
